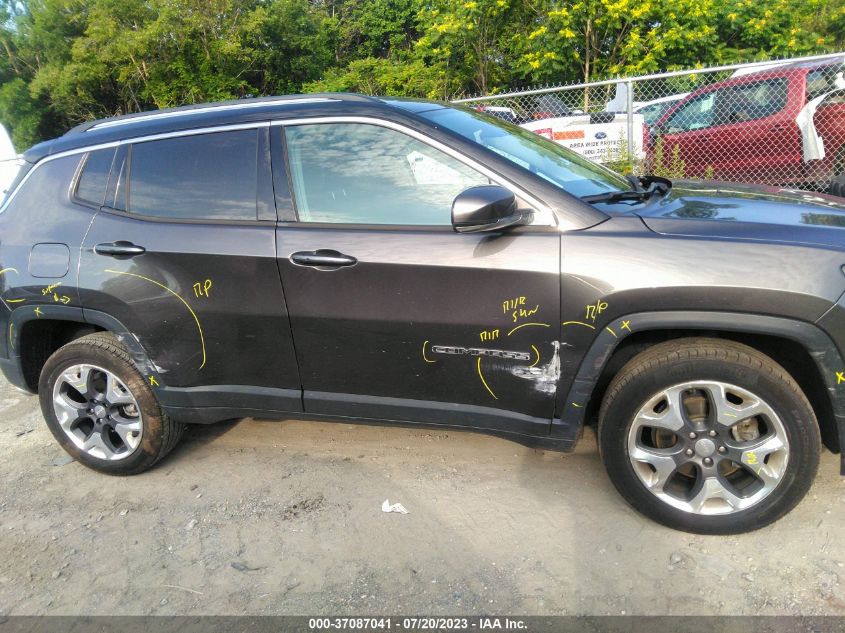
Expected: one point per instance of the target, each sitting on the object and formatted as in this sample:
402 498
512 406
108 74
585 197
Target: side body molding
821 348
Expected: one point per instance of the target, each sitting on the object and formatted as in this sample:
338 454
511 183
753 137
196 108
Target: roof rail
221 106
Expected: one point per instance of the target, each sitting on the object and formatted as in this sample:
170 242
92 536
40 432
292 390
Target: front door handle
322 257
119 249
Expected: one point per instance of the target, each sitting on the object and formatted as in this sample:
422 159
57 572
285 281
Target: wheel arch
34 335
802 348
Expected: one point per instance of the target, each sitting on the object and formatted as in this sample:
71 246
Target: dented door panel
427 318
204 300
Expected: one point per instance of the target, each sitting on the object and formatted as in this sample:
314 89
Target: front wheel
708 436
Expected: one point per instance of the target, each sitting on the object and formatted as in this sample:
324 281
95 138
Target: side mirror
486 208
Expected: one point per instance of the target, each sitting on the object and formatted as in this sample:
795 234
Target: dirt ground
261 517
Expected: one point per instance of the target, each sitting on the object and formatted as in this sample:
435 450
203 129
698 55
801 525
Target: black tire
701 359
836 187
159 434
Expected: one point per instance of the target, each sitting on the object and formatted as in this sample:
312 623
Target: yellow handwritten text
61 299
202 289
751 459
50 288
595 309
153 381
512 304
489 335
521 313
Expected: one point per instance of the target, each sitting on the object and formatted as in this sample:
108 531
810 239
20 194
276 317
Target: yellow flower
541 31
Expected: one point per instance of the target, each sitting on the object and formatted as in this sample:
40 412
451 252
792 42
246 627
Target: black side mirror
486 208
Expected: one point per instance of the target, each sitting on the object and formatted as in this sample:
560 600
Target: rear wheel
101 410
708 436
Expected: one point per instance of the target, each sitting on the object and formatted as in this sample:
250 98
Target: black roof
221 113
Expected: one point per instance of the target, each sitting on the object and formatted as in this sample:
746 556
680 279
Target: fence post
629 97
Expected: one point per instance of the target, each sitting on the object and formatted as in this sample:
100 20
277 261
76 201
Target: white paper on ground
396 507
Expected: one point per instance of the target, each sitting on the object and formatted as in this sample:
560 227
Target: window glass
750 101
558 165
731 104
95 173
822 80
207 176
695 115
367 174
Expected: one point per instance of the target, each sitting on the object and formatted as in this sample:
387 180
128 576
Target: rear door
396 316
183 255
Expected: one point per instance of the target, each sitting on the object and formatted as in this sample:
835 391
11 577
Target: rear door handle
119 249
322 257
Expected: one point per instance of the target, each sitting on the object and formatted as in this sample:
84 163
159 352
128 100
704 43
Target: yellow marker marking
592 327
190 309
538 356
424 358
38 312
15 300
484 382
840 377
751 459
527 324
575 404
11 325
612 332
730 415
594 309
202 289
153 381
626 325
6 270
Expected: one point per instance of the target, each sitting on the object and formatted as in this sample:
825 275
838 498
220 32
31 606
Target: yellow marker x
840 377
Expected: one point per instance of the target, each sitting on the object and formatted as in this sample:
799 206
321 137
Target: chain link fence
772 123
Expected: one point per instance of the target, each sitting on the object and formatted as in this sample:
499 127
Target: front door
396 316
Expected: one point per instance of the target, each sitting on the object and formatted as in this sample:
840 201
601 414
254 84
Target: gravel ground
262 517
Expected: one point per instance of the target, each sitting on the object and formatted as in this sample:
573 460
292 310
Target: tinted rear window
208 176
95 173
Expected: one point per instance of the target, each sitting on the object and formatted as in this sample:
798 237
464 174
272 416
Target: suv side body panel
42 222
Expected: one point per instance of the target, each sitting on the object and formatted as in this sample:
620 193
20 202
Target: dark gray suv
373 260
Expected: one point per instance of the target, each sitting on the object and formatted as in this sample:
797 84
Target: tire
726 403
836 187
101 410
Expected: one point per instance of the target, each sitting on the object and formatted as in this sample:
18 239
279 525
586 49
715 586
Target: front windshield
561 166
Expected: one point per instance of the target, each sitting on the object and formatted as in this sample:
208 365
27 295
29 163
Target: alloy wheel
97 412
708 447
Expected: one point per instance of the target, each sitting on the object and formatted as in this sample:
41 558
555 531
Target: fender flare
811 337
25 314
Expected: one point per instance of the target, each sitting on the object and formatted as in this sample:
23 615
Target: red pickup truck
744 129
